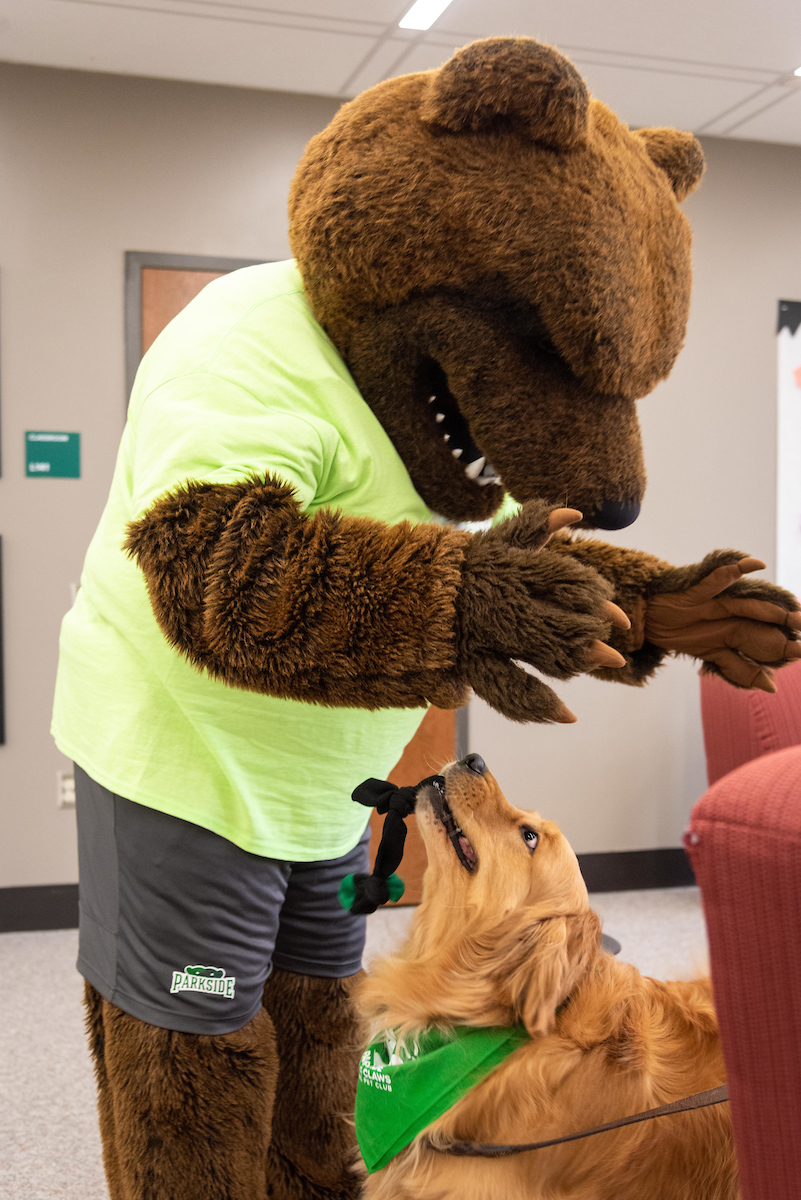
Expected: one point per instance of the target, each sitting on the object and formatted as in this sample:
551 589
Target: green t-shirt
403 1088
243 380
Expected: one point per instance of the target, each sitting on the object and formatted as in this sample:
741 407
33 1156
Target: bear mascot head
505 268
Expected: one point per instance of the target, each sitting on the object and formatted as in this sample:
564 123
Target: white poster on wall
788 516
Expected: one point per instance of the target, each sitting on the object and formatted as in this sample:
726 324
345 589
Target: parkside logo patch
211 980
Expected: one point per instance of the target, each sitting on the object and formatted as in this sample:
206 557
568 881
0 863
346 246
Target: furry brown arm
639 579
347 611
331 609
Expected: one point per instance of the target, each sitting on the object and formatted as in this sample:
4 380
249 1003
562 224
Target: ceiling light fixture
797 71
423 14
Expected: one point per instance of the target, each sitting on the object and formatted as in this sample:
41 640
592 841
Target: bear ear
509 82
678 154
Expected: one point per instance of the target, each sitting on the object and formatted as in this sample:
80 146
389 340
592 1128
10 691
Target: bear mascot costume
490 269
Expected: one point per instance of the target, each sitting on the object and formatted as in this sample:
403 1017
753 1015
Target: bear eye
529 837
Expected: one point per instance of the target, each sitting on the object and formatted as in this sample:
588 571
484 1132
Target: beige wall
94 165
626 775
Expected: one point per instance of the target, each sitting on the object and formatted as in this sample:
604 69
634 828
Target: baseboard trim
55 906
52 906
635 870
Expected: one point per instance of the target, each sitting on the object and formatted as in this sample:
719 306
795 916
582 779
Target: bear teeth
477 470
488 475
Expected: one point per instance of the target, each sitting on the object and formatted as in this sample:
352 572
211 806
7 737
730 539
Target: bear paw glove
517 604
739 628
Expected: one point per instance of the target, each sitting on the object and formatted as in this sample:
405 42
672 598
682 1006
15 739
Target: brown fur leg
93 1004
182 1115
313 1150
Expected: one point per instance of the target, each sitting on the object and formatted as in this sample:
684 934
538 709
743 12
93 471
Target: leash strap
717 1095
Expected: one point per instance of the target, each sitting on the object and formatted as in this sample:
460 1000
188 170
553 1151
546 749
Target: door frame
135 260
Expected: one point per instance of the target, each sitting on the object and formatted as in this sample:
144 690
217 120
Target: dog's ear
552 955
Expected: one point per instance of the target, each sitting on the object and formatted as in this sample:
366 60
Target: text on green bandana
404 1087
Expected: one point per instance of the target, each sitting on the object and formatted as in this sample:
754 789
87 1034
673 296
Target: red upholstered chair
740 725
744 842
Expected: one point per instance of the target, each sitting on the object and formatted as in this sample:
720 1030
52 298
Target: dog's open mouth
442 811
453 428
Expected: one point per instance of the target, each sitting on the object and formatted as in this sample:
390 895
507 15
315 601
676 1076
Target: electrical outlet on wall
66 789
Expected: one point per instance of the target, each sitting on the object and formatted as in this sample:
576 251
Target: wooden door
164 292
430 749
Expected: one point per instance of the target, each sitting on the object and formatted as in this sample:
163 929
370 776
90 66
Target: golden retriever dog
505 936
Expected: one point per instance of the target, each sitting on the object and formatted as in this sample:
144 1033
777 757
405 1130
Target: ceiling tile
779 123
134 41
385 12
387 59
729 119
645 97
740 32
423 57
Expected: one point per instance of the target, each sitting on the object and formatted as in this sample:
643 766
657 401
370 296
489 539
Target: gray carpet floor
50 1149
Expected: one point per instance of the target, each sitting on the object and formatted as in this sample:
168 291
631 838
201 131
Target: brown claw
560 518
602 655
747 565
764 683
618 617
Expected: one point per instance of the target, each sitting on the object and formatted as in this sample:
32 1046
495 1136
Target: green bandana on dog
404 1087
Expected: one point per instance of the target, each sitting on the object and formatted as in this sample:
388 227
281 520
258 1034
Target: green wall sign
52 455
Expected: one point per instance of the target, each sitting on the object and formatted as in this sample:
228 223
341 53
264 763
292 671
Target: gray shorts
181 928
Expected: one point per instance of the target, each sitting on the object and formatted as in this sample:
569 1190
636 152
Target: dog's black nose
474 762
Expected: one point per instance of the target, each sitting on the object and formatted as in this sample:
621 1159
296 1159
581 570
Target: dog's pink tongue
468 851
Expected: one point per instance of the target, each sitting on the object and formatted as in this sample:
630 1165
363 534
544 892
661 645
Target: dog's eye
529 836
